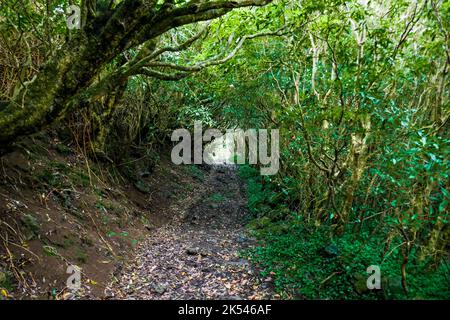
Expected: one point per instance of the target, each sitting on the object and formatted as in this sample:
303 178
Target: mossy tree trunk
106 34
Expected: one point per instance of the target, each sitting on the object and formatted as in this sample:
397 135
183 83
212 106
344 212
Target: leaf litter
197 254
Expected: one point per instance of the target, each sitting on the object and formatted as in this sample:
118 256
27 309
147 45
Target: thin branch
215 60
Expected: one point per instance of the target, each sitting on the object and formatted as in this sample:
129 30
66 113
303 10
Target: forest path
196 256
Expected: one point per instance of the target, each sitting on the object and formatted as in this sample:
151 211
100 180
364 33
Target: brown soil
178 239
58 210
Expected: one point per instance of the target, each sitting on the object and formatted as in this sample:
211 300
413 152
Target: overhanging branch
215 60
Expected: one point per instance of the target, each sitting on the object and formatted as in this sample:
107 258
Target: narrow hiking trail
196 255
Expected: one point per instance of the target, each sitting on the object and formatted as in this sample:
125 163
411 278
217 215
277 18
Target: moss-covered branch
73 67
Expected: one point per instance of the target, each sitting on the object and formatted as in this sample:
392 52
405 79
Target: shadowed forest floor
196 255
176 233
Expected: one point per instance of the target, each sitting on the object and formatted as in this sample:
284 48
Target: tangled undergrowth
308 262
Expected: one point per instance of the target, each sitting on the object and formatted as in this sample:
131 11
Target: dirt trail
196 256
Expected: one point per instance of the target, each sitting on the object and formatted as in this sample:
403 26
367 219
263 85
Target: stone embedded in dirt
192 251
242 239
159 288
149 228
331 251
240 263
195 251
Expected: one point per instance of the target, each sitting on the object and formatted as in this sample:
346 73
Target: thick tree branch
215 60
76 64
164 76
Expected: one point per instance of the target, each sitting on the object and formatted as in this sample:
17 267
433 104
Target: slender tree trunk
358 155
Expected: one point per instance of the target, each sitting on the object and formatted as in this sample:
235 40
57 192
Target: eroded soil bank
172 232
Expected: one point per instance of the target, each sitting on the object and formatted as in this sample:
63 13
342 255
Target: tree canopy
358 89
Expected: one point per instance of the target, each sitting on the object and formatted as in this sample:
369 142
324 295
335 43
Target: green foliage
50 251
81 256
195 172
58 175
6 281
216 197
306 262
362 107
31 223
117 234
63 149
359 91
